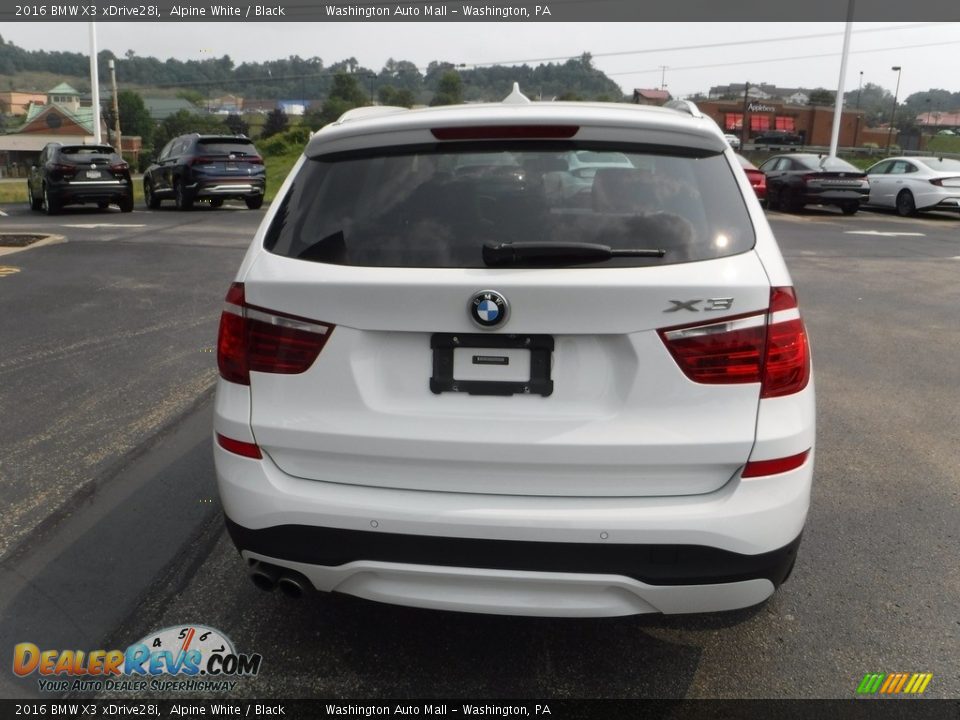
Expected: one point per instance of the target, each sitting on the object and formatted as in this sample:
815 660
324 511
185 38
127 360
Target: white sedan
733 141
910 184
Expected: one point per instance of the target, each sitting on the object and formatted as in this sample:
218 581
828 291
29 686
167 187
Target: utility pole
893 112
663 77
95 84
116 108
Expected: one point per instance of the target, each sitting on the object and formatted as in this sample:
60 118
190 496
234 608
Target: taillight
202 160
505 132
769 347
256 339
62 170
253 160
787 358
119 167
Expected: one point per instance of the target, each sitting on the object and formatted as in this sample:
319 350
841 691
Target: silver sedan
910 184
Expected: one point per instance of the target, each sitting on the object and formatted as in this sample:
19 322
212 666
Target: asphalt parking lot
113 529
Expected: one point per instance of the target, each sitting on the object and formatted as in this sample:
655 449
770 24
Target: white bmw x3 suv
446 382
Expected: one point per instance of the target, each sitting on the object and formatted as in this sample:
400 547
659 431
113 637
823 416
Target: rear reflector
256 339
768 347
238 447
761 468
505 132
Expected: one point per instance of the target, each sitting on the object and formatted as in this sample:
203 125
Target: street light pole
859 89
116 107
893 112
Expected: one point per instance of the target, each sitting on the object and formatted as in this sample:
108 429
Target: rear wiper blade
559 253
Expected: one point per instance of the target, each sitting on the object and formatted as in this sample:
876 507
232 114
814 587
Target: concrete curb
48 240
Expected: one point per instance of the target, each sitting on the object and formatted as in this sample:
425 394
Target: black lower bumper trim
651 564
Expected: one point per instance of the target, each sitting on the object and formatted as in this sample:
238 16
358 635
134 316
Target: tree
183 122
277 122
345 87
449 89
236 124
389 95
134 117
193 97
345 94
821 96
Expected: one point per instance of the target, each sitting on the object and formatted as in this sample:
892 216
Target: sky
696 56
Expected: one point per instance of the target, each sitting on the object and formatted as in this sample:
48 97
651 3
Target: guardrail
879 153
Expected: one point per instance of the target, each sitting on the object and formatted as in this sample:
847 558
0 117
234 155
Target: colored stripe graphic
870 683
894 683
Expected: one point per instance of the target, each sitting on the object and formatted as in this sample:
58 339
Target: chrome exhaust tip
264 576
293 586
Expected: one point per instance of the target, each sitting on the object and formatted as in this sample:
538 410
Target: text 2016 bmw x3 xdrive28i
446 382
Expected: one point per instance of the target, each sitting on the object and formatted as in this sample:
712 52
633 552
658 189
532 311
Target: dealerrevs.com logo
183 658
894 683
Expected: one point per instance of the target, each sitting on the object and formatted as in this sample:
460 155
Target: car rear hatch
228 159
375 267
92 165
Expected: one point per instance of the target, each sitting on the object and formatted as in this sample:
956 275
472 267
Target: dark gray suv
79 175
212 168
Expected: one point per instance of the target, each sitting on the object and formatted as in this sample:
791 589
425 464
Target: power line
755 60
705 46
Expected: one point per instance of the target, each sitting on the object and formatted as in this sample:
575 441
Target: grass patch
13 192
278 167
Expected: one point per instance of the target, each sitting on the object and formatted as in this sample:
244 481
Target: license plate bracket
541 352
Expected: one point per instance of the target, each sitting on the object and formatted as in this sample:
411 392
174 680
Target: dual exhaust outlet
269 577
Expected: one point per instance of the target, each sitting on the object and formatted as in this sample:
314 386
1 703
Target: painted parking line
880 233
8 270
3 214
94 226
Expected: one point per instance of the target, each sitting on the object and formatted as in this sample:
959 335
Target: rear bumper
226 189
80 192
949 203
673 565
835 197
540 556
514 592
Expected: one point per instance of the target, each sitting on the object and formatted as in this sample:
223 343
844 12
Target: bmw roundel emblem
488 309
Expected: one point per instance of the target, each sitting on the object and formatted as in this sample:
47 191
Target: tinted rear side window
438 206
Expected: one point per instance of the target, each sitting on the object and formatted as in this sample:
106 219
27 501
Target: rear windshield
947 164
835 164
437 206
225 146
82 151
